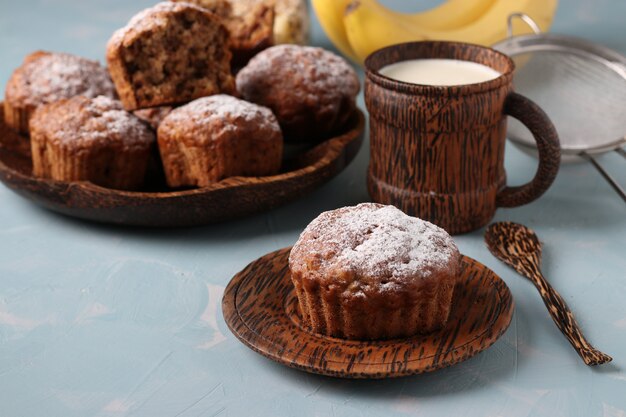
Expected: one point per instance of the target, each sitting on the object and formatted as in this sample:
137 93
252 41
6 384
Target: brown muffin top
81 122
374 244
147 19
45 77
210 118
310 74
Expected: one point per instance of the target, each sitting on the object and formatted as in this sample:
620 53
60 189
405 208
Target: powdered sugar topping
206 111
101 119
376 241
319 70
54 76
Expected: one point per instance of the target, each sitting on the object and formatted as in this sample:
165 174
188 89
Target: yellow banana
451 14
330 15
368 29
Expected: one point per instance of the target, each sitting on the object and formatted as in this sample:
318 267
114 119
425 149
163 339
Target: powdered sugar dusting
377 241
101 119
54 76
206 111
320 70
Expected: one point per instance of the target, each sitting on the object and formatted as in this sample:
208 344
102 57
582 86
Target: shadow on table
578 213
285 219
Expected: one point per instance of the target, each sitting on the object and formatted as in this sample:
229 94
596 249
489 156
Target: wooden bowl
261 309
227 199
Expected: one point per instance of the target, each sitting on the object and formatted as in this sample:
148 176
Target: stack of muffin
170 84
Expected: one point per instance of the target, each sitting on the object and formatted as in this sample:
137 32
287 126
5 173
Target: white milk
439 72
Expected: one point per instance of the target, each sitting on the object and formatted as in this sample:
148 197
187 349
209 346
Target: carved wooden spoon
518 246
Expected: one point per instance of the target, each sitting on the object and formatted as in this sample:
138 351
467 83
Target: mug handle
542 129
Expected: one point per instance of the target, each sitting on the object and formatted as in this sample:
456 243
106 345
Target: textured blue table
107 321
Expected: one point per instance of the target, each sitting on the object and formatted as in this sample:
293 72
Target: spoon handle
564 320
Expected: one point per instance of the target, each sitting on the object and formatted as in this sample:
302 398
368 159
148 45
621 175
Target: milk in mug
439 72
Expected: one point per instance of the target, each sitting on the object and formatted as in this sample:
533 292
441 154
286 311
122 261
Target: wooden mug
437 152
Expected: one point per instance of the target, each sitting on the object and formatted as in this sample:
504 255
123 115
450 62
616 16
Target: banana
451 14
369 29
330 15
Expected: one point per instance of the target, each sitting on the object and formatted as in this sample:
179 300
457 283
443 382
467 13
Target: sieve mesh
584 96
579 84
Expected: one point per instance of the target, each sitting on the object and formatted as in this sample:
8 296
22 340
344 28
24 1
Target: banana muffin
311 91
90 139
216 137
291 17
251 28
45 77
373 272
169 54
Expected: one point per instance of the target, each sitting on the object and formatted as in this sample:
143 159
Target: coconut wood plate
261 309
302 172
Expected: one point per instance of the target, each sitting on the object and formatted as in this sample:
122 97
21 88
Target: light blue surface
107 321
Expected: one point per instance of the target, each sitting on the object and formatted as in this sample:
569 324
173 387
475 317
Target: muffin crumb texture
168 54
249 22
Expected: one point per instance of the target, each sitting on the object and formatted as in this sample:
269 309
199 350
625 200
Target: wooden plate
260 308
227 199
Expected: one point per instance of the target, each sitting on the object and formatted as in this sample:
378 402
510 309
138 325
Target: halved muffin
169 54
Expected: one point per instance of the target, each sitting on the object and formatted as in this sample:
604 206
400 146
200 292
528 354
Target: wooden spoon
518 246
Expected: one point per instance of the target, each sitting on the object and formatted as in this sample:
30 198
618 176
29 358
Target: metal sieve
580 85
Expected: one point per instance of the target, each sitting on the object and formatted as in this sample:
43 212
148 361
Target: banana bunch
359 27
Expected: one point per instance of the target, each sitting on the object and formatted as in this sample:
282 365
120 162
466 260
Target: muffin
168 54
251 29
45 77
291 24
90 139
216 137
250 23
311 91
291 17
372 272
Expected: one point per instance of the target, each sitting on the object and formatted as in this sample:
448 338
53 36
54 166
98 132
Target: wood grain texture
438 152
518 246
233 197
260 308
548 147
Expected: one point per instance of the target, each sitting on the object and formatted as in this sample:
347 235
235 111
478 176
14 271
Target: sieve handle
542 129
526 19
